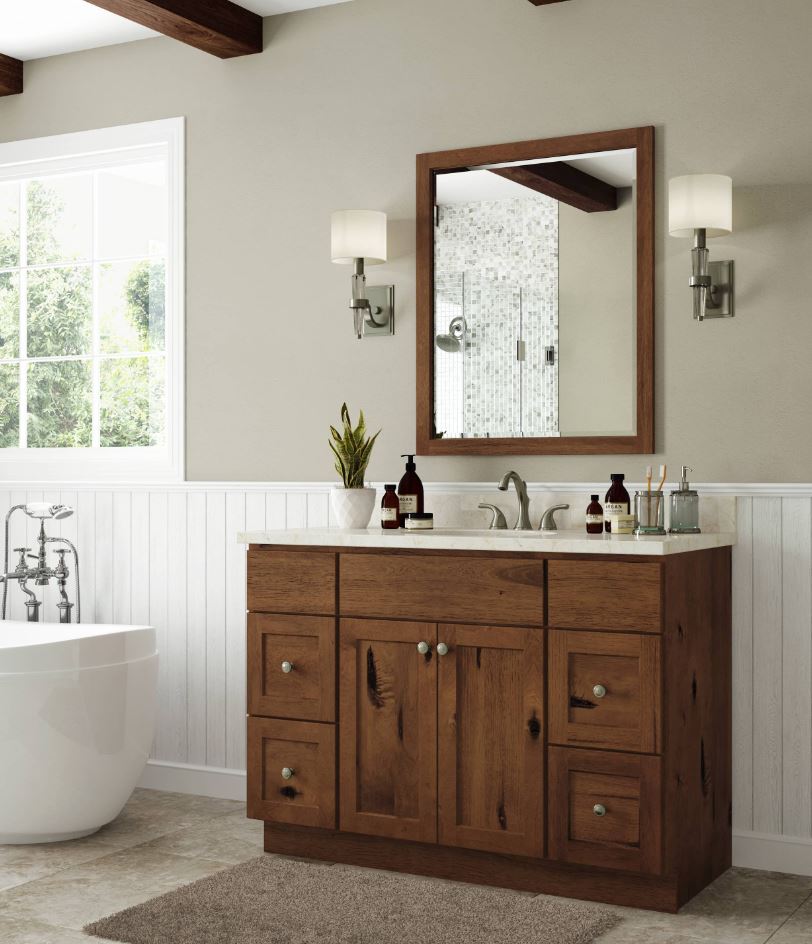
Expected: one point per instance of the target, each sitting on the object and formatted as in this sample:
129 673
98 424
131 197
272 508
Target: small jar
390 509
622 524
419 521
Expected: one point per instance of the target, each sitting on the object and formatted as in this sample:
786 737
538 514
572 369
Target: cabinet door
388 728
491 739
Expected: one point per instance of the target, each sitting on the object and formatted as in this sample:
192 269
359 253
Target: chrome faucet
41 574
523 521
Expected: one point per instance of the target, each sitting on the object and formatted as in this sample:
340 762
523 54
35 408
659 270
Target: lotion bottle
410 490
617 500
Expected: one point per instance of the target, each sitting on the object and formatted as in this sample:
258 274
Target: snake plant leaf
351 448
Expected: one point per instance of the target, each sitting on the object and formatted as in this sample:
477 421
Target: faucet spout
523 520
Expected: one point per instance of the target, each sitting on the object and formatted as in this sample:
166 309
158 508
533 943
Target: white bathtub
77 719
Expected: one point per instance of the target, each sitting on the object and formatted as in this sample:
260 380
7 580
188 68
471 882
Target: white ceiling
33 29
617 168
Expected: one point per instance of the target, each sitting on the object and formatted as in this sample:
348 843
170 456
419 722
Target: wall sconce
701 205
359 237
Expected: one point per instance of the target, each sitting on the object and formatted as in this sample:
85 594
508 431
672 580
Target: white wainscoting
167 555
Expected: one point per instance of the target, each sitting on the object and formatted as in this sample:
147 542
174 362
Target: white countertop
450 539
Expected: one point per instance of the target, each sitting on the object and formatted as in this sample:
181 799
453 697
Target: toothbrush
663 470
648 490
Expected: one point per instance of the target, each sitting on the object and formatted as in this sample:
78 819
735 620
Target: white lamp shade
700 201
358 234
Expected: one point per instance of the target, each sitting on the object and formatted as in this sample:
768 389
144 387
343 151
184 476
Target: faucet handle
498 522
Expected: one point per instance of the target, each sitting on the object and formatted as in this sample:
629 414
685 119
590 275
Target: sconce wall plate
380 320
723 289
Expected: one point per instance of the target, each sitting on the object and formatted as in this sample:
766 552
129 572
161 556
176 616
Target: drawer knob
422 647
287 773
287 667
599 809
599 691
442 649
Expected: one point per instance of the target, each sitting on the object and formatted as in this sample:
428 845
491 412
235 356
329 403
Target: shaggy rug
274 900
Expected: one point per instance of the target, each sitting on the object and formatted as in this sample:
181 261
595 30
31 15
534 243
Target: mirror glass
534 320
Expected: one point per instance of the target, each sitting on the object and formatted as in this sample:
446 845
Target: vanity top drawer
291 581
291 666
604 690
499 591
612 595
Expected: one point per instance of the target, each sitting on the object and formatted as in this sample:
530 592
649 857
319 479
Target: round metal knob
442 649
287 773
599 691
599 809
287 667
422 647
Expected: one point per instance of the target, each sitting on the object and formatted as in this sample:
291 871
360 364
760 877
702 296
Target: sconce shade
700 201
358 234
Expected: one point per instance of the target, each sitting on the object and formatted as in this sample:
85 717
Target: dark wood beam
11 75
218 27
564 183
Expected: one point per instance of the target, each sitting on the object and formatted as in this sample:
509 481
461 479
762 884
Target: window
91 304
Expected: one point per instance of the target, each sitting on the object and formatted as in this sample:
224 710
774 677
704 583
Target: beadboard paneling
168 556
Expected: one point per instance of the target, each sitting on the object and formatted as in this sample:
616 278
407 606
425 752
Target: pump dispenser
684 507
410 490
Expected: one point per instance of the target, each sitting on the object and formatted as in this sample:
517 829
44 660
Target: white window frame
91 150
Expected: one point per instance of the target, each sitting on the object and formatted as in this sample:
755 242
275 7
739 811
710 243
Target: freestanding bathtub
77 719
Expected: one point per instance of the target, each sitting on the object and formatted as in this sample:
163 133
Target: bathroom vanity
546 713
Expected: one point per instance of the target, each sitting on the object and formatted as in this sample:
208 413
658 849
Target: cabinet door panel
388 712
491 739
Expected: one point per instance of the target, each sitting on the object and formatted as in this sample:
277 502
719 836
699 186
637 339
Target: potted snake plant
352 503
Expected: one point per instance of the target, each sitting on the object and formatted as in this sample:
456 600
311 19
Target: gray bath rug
274 900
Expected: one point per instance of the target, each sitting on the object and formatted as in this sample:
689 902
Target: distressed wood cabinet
545 722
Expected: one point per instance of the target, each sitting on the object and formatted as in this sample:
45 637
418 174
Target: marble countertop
450 539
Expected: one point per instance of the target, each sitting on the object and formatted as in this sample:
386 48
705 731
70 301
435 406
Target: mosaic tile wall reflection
496 283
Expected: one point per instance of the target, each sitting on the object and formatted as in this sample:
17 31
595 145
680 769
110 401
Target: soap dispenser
684 507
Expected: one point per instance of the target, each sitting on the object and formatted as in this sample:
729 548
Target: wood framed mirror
535 297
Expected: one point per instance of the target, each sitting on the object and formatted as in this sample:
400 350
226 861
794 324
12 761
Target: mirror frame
429 165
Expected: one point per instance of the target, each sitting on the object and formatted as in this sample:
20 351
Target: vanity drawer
291 666
613 595
305 751
291 581
605 809
604 690
498 591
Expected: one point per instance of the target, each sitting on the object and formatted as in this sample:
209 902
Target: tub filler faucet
40 574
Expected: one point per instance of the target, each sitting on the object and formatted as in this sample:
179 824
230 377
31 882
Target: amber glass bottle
617 500
594 516
410 491
390 508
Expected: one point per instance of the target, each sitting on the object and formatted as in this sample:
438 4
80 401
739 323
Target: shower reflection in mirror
532 294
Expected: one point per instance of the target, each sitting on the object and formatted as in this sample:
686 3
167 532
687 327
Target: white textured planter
352 507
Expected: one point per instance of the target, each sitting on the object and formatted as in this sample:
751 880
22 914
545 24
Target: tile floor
164 840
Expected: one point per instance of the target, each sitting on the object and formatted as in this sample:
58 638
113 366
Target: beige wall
596 320
277 141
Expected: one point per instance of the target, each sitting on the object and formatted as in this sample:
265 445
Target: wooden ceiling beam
564 183
219 27
11 75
